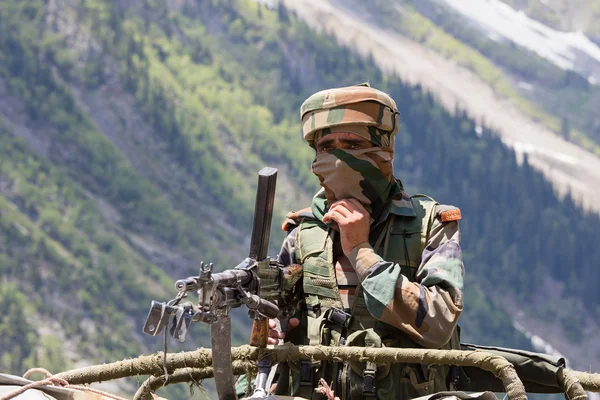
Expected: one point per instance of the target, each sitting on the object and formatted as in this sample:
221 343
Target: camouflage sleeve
427 309
287 256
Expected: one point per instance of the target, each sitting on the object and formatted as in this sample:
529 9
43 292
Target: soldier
380 268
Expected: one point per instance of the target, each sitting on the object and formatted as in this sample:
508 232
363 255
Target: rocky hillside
130 138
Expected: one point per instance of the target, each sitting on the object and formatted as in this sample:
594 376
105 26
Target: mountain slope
131 136
564 15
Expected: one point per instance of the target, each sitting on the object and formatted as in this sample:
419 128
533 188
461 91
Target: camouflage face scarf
365 175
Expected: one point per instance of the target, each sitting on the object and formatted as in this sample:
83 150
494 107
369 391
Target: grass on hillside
563 15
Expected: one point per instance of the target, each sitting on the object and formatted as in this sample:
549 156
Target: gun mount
218 293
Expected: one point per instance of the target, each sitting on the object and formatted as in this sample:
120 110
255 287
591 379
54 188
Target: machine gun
256 283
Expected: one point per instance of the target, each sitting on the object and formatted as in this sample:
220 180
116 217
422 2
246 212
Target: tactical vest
402 241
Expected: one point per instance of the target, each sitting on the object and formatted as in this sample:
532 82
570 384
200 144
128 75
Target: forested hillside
130 137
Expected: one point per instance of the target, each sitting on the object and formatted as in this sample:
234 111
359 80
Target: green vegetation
98 217
17 338
54 240
564 15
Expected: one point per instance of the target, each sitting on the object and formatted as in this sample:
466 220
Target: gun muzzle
189 284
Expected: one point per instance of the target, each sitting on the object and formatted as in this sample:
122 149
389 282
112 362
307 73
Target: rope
154 383
497 365
48 381
202 359
144 365
589 382
54 381
32 371
570 385
96 391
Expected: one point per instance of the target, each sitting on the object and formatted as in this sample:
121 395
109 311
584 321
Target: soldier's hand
353 220
276 334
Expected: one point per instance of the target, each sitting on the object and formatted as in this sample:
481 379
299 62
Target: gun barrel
263 306
226 278
263 213
188 284
231 277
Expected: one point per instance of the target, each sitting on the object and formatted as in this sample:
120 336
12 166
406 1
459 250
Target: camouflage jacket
426 308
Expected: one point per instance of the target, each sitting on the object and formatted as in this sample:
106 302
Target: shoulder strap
311 238
406 237
314 250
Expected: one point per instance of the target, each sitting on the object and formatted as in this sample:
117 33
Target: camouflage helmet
358 105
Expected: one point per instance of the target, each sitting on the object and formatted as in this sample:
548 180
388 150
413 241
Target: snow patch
270 4
539 344
479 131
526 86
567 50
528 148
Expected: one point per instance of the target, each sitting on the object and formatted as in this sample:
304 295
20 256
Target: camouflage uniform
402 288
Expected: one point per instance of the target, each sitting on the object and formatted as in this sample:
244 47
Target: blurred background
131 134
